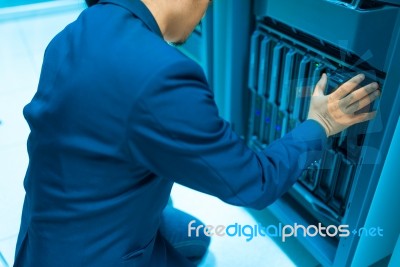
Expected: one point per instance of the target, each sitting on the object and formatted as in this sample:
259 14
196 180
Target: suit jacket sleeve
175 131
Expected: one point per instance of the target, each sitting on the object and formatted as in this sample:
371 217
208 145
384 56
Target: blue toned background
231 55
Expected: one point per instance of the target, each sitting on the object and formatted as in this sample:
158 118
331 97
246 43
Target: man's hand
336 112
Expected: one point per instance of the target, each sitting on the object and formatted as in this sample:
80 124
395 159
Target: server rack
263 83
198 46
281 85
288 56
220 46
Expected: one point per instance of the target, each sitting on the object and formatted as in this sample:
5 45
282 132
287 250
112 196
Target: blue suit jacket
118 117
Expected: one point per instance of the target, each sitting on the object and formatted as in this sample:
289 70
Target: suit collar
138 9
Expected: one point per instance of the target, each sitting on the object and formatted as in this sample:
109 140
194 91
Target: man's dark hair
90 3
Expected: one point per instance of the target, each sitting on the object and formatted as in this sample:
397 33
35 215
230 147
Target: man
120 115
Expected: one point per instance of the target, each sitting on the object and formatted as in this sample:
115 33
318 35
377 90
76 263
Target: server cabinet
264 59
198 45
213 45
293 43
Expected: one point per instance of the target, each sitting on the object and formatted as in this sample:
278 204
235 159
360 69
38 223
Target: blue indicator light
267 120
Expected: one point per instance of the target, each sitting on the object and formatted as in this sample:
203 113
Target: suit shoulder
154 55
161 55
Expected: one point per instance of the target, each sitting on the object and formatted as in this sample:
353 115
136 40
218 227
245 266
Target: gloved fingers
362 92
348 87
363 117
366 100
320 86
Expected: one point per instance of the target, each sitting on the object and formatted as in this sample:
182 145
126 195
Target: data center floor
23 41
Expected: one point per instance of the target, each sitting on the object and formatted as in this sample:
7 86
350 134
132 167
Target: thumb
320 87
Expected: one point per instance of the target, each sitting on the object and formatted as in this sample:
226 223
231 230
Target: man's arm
176 133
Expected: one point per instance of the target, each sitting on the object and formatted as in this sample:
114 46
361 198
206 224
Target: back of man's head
91 2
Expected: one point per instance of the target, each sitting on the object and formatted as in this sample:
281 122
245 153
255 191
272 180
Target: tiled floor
22 44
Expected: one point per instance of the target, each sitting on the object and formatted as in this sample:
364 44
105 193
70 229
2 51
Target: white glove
335 112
